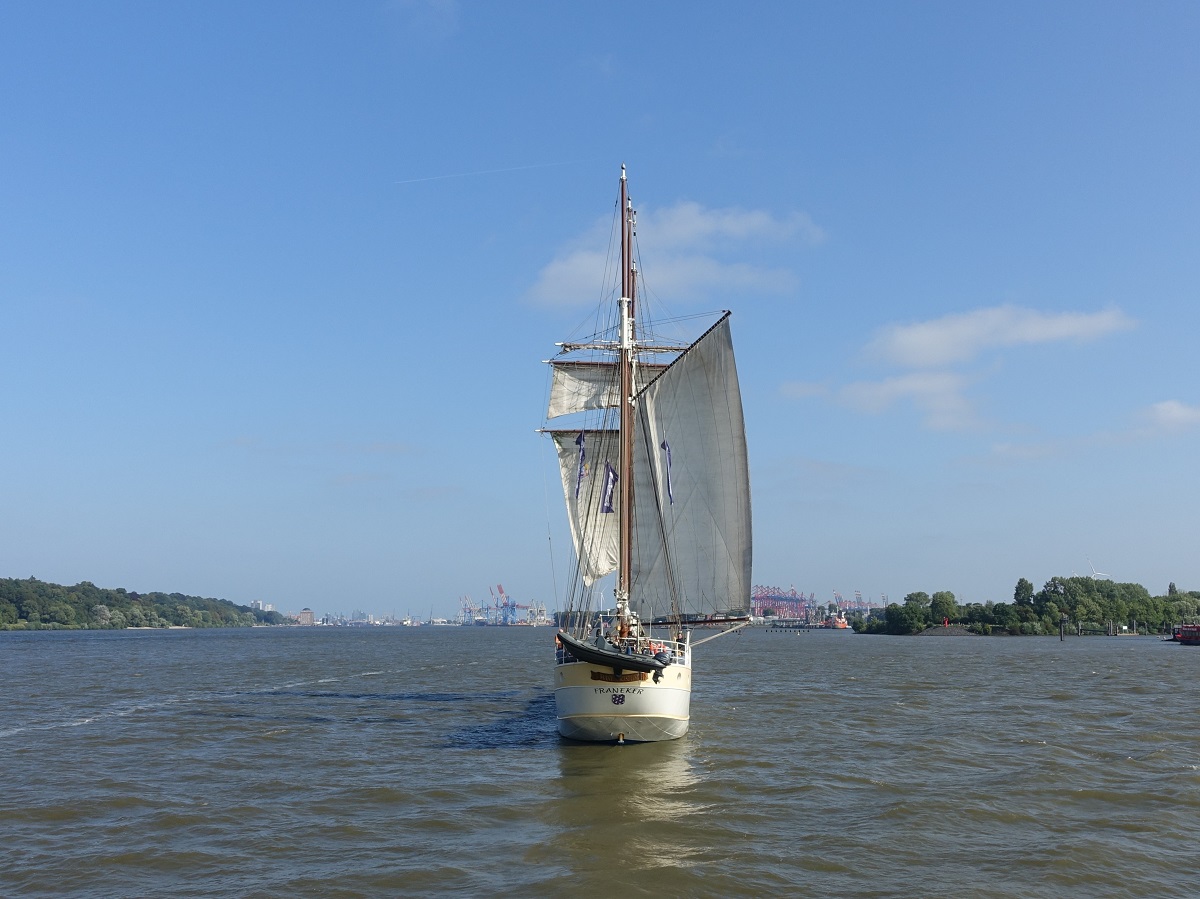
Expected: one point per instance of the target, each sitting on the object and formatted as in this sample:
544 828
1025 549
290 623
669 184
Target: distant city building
306 617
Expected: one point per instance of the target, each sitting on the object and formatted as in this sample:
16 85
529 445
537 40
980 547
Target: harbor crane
507 606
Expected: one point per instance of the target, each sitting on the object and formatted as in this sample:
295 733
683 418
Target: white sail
594 531
692 535
580 386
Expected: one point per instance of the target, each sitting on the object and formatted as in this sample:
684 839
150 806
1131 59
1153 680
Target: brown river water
425 761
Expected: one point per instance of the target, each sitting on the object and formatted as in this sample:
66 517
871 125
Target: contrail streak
520 168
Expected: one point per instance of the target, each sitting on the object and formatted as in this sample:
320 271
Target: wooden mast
625 477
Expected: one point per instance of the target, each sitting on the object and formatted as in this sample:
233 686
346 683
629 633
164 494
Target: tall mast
625 481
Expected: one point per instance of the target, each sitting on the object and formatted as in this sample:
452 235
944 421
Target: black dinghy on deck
585 651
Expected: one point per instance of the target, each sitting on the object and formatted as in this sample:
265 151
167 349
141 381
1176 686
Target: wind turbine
1096 575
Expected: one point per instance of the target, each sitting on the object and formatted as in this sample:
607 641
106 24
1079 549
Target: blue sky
276 280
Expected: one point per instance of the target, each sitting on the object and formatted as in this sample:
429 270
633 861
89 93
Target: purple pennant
670 492
579 442
610 483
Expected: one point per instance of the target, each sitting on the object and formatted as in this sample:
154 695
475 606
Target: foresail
580 386
692 533
585 460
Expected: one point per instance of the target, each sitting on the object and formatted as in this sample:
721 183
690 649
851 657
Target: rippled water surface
345 762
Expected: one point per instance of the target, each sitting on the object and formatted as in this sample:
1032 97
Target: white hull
594 704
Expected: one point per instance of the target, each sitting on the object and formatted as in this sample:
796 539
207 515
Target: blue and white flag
579 442
670 491
610 482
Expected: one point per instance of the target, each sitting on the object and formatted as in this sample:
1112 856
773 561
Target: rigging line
549 538
610 261
651 299
604 309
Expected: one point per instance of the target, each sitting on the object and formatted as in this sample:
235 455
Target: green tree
1088 611
943 607
1005 615
918 606
909 618
62 613
900 619
1181 607
1023 594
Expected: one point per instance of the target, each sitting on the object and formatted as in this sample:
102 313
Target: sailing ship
657 492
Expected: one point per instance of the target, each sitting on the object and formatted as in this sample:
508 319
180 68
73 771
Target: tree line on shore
1088 604
36 605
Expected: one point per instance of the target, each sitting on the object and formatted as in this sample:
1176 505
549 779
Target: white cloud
691 276
936 351
572 279
1172 415
684 247
939 395
690 226
960 338
1154 422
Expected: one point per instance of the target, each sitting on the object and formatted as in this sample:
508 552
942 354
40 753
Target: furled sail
692 537
585 459
578 386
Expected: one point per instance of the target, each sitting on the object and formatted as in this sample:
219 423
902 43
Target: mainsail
692 543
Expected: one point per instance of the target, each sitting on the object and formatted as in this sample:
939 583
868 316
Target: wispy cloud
959 338
690 226
940 395
1172 415
1157 421
687 249
935 357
